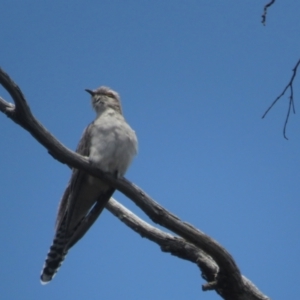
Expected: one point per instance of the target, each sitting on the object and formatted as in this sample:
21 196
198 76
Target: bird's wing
90 218
83 148
70 201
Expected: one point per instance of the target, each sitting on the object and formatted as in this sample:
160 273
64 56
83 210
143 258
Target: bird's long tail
55 256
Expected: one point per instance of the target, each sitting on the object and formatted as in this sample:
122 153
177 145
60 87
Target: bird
110 144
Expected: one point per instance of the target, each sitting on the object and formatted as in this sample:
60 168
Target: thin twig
264 15
291 99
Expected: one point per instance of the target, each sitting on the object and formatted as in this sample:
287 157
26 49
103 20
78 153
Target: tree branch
180 248
228 279
291 99
175 245
264 15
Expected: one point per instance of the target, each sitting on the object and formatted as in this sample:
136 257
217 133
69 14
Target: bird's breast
113 145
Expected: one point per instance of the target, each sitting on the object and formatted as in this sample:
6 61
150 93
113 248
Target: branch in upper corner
291 99
264 15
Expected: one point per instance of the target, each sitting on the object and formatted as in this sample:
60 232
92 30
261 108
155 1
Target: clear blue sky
195 78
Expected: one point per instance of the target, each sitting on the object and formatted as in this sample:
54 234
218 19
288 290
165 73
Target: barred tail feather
55 257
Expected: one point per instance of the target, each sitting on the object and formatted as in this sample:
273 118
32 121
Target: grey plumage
109 143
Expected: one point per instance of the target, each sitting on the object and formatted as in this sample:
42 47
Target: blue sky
195 78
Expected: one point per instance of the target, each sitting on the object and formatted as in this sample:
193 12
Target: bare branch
177 247
291 99
229 279
264 15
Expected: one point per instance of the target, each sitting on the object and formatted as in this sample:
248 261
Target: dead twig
291 99
264 15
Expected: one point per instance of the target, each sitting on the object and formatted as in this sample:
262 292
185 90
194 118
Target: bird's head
104 98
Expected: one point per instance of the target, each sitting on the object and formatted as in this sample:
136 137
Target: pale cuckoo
110 144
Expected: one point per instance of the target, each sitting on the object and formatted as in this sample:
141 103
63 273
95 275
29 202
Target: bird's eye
111 95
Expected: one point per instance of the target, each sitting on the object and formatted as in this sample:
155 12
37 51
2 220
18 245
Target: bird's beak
90 92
